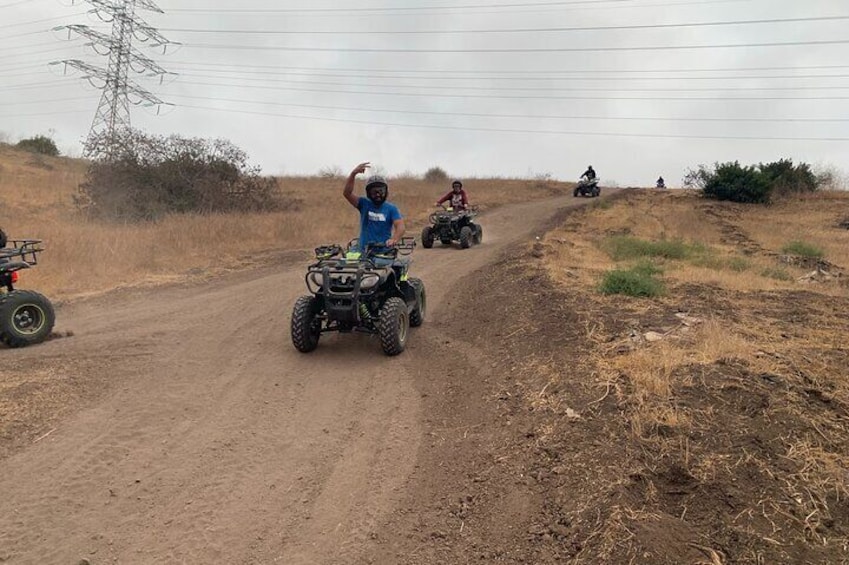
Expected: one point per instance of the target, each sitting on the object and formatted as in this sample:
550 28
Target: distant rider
661 183
381 223
589 174
457 196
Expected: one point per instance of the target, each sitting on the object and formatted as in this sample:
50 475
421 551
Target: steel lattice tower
112 118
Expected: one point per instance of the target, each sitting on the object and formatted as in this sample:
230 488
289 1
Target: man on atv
381 223
589 174
457 196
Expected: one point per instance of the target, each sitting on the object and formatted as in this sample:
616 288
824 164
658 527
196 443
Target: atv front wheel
26 318
393 326
418 314
306 327
466 237
478 239
427 237
576 192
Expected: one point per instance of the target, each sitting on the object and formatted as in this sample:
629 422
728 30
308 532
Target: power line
522 49
528 88
49 101
45 113
513 97
512 130
541 77
516 30
15 3
407 10
523 71
42 20
519 116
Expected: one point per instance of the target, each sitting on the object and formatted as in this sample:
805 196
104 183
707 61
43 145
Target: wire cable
512 130
516 30
516 116
512 97
634 48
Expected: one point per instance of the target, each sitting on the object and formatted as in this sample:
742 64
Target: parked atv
354 291
449 225
587 188
26 317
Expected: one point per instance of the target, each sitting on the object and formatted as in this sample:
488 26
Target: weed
637 281
803 249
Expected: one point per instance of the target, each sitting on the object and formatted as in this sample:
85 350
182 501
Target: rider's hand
390 242
361 168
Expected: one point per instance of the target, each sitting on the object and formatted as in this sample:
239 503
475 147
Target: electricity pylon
112 118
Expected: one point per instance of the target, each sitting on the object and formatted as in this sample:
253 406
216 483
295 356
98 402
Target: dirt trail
216 441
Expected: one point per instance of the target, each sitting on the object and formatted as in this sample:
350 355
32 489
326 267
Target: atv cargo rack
26 250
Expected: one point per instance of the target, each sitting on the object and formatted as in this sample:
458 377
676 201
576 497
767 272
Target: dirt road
214 441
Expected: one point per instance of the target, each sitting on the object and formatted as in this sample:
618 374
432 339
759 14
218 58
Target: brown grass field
733 385
86 257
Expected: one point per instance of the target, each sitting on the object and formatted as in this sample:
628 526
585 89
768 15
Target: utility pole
112 118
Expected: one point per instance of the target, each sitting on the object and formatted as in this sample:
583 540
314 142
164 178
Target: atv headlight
369 281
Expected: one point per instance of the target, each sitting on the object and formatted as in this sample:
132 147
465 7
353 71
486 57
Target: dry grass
86 257
761 378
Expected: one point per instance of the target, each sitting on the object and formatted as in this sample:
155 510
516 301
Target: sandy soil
180 426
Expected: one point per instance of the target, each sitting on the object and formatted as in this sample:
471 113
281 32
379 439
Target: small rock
572 414
653 336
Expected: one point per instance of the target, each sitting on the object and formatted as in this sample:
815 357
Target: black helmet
455 182
377 189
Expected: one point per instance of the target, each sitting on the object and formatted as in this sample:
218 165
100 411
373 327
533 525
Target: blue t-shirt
376 221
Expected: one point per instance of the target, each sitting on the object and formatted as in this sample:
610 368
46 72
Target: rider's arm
444 198
398 230
465 199
348 191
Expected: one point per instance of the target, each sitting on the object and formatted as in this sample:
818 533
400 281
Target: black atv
449 225
587 188
367 292
26 317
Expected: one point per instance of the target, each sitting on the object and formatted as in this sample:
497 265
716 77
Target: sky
509 88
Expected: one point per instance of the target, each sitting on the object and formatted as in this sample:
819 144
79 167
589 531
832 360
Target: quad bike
449 225
360 291
26 317
588 187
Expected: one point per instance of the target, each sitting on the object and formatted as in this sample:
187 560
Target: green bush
753 184
436 175
40 144
803 249
636 281
623 248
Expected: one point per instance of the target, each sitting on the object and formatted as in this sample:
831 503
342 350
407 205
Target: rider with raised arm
457 196
589 174
381 223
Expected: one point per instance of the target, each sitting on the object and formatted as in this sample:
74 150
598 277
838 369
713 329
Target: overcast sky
407 92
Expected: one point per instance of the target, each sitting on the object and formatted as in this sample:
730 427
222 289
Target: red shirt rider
457 196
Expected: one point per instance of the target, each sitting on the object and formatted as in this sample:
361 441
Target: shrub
149 176
622 247
40 144
777 274
734 182
803 249
331 172
436 175
636 281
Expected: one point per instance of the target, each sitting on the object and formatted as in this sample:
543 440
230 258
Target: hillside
87 257
708 424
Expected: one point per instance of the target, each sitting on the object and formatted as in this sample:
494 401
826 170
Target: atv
364 291
26 317
449 225
587 188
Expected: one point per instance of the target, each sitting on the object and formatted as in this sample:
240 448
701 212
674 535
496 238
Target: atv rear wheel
466 237
427 237
393 326
26 318
306 328
478 238
417 316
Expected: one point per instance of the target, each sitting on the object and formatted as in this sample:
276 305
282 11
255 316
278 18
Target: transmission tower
112 118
